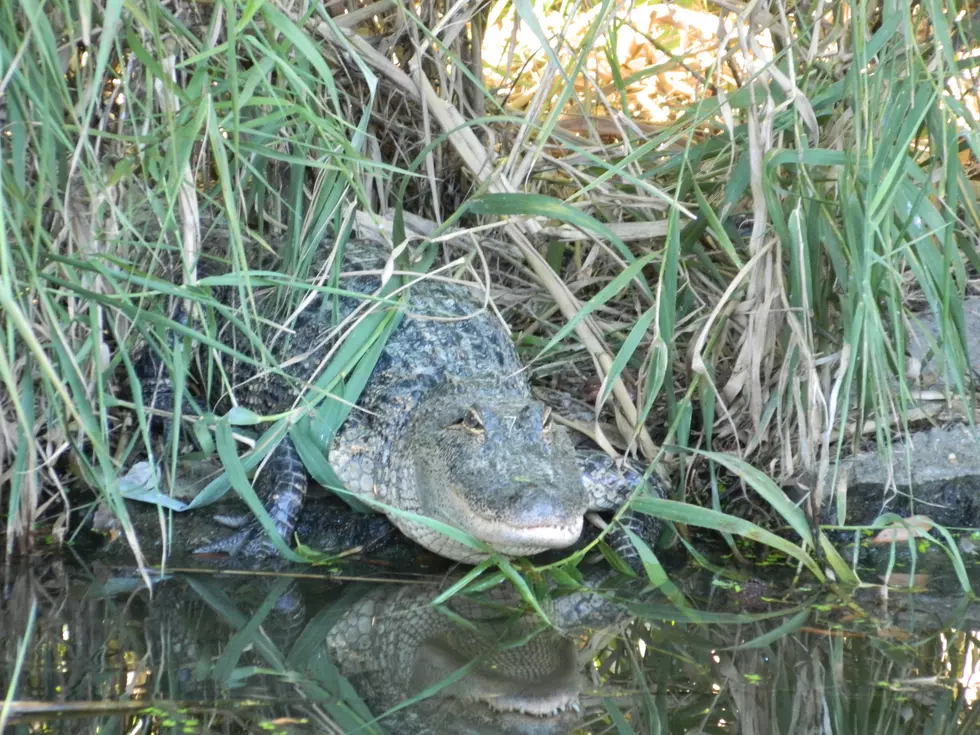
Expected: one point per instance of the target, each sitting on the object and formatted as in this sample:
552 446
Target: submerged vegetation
718 235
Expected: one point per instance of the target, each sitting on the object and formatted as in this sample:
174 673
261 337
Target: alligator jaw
503 536
512 538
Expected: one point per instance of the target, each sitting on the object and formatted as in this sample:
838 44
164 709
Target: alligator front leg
284 482
609 486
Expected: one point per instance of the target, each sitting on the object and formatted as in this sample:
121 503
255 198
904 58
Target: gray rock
935 473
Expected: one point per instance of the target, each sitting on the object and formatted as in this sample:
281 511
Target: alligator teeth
558 709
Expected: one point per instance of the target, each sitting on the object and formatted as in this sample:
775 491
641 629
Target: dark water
90 649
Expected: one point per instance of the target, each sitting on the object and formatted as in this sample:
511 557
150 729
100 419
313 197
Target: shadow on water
88 649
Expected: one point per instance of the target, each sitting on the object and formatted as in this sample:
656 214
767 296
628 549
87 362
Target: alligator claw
233 522
610 485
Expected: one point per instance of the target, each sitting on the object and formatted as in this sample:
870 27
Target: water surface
90 649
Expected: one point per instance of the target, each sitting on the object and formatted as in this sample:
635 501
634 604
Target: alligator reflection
488 669
210 653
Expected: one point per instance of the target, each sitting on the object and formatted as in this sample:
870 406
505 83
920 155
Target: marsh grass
613 250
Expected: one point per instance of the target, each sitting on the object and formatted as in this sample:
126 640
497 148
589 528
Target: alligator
445 427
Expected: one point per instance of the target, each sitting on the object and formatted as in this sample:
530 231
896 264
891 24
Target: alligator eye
472 422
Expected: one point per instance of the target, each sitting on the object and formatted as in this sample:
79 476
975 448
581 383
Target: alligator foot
330 526
285 479
610 486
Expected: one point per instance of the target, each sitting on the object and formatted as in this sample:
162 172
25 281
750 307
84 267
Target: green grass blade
670 510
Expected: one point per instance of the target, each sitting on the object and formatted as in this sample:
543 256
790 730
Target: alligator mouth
511 537
539 707
506 535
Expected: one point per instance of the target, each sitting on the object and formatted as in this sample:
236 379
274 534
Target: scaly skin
445 427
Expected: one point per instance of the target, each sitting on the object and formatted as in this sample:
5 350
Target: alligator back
446 334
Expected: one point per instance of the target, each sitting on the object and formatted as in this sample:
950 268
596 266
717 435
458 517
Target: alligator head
495 466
